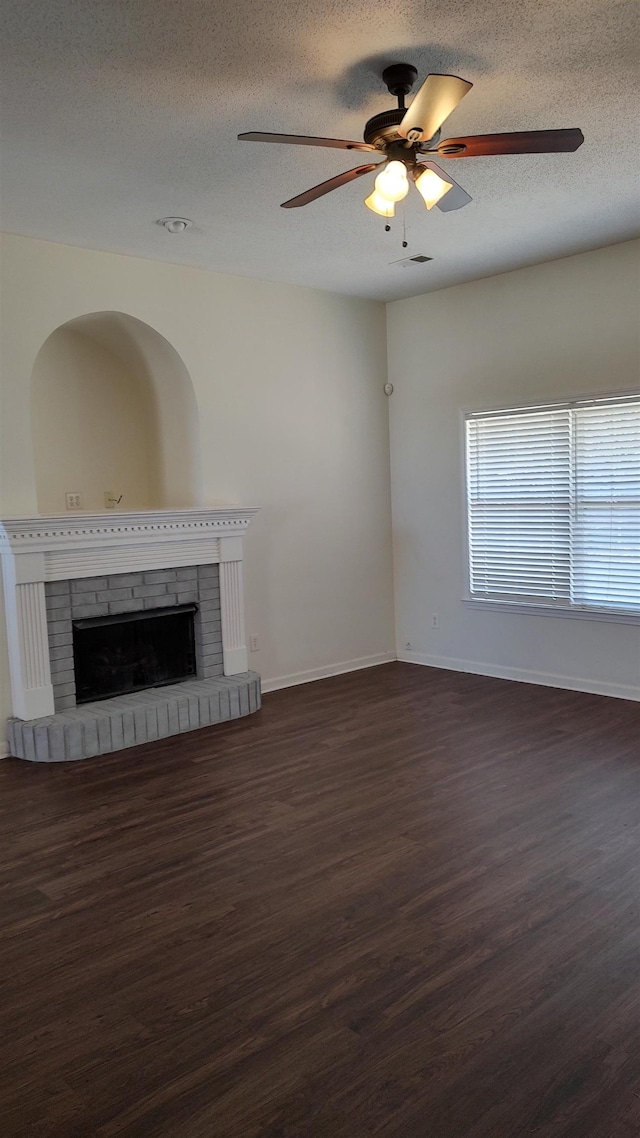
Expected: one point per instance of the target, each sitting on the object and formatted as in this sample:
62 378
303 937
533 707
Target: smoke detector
175 224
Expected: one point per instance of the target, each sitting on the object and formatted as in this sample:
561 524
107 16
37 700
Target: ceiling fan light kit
406 137
380 205
430 185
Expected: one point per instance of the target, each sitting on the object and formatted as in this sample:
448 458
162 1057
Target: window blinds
606 515
553 498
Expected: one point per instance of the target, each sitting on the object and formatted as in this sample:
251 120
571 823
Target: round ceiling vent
175 224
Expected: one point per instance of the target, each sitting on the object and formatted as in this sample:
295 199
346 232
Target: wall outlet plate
73 500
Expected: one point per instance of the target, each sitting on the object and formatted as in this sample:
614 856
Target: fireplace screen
113 655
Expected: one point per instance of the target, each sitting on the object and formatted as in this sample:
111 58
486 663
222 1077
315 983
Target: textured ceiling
115 114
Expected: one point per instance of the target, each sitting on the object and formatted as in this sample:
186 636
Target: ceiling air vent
406 262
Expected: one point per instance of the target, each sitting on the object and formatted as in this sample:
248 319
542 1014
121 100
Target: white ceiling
116 114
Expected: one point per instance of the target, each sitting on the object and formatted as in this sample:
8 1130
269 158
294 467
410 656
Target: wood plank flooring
402 902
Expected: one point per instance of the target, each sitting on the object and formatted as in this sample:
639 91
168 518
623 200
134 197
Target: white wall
559 329
293 418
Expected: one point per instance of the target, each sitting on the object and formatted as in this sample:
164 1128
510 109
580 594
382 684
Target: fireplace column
234 649
26 615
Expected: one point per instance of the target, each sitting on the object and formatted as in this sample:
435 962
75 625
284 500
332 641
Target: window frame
531 608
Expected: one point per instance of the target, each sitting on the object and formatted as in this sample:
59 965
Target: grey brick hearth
113 724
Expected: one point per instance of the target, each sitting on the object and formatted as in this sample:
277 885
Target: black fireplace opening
113 655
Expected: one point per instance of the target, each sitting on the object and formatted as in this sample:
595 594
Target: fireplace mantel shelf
40 533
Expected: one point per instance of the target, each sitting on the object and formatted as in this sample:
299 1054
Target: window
553 505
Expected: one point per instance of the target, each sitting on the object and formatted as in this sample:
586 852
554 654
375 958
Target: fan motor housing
383 128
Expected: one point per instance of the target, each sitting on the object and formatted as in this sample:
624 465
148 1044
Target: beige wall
292 418
557 330
93 427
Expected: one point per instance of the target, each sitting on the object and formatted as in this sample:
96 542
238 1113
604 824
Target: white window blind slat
553 500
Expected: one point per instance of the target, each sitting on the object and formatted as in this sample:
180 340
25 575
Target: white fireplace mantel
39 549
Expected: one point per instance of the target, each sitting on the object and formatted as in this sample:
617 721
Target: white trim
523 675
307 677
551 403
530 609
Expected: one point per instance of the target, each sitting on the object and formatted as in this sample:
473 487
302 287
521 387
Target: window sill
522 608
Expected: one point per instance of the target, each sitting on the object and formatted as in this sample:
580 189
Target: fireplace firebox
114 655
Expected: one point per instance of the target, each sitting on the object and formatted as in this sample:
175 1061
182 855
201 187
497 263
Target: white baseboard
323 673
523 675
4 749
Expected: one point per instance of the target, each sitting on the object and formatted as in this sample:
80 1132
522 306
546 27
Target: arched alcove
113 412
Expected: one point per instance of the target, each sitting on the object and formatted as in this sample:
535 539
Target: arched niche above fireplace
114 416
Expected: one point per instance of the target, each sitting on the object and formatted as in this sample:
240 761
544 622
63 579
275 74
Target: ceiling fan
407 136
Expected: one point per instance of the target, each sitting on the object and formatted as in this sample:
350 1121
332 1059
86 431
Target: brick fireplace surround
60 569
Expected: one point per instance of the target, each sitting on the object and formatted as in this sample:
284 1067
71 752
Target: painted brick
253 697
81 601
89 584
60 639
243 697
91 727
81 612
128 729
172 711
187 598
114 594
60 678
183 713
68 688
64 702
41 739
149 591
55 734
207 571
61 651
159 602
61 627
208 593
74 743
140 724
152 723
99 728
184 586
125 580
116 607
163 720
117 733
225 709
186 573
194 713
55 588
58 601
160 576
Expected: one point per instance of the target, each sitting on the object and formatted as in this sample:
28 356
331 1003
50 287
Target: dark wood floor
402 902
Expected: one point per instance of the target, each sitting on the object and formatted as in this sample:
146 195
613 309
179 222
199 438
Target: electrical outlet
254 644
73 501
435 620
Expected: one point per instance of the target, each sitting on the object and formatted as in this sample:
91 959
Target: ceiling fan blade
303 140
515 142
456 197
328 186
438 96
